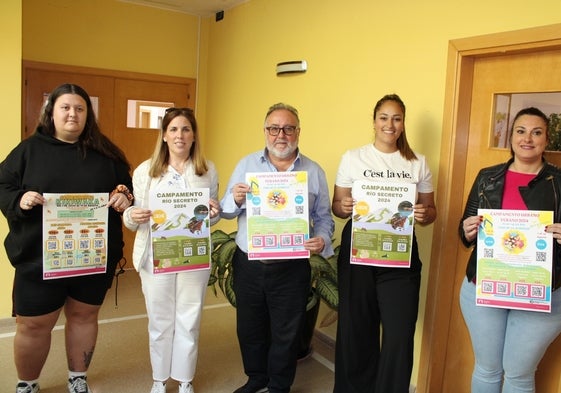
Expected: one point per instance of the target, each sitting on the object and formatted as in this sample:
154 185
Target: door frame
462 54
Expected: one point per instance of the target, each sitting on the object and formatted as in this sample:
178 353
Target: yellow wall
110 34
355 56
10 113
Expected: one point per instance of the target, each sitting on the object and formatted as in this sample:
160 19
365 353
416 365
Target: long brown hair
402 144
160 157
91 137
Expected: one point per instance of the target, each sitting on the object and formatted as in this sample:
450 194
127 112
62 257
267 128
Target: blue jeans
507 343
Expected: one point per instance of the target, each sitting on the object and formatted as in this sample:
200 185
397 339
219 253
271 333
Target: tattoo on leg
88 358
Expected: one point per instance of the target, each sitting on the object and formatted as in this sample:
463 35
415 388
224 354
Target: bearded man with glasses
271 294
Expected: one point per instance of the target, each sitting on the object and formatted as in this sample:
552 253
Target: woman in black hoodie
66 154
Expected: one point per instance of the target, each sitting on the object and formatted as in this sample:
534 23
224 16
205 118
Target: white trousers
174 304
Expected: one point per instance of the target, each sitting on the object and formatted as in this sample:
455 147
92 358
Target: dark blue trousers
271 302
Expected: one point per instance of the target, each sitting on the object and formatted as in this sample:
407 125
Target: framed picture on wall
507 105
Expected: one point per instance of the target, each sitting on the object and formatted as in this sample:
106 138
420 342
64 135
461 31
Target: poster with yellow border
74 234
514 260
277 215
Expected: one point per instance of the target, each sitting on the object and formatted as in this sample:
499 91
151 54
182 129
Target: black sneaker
250 387
23 387
78 385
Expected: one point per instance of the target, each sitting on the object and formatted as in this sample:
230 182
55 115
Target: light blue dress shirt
321 220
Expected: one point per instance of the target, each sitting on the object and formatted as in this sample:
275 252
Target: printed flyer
277 215
180 228
382 223
514 260
74 234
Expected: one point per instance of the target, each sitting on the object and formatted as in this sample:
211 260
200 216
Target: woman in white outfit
173 301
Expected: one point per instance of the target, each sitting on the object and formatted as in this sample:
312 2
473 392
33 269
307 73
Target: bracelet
121 188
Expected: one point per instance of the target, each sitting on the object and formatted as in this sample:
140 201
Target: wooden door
478 67
138 143
112 89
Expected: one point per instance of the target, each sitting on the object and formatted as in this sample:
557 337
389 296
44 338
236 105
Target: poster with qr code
180 230
74 234
382 223
277 215
514 260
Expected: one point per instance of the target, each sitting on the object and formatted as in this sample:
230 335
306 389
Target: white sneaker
23 387
158 387
186 387
78 385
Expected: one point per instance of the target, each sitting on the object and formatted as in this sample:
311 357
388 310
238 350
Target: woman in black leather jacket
508 344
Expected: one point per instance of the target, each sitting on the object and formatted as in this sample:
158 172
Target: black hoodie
43 164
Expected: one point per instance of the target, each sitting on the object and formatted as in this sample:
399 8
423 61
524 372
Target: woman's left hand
119 202
555 229
423 213
214 208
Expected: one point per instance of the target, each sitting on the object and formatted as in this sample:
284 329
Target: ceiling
193 7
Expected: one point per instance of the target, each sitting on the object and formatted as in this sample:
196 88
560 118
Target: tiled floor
121 363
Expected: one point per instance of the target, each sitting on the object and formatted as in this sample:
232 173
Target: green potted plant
323 282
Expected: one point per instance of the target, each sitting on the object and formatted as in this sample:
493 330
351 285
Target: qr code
187 251
401 247
256 211
540 256
521 290
201 250
502 288
538 292
299 209
52 245
387 246
488 253
487 287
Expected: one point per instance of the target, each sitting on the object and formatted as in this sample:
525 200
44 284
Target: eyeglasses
168 110
275 130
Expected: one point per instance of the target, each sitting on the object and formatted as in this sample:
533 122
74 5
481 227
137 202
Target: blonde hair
160 157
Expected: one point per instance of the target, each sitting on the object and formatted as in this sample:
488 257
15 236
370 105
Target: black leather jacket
542 193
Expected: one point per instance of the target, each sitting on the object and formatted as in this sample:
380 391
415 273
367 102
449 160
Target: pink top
511 196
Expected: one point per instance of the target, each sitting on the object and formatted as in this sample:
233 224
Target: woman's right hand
31 199
346 205
140 215
470 227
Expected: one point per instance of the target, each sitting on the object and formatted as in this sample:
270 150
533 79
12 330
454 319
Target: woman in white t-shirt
371 296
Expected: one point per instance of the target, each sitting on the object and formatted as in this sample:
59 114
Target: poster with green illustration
180 230
382 232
